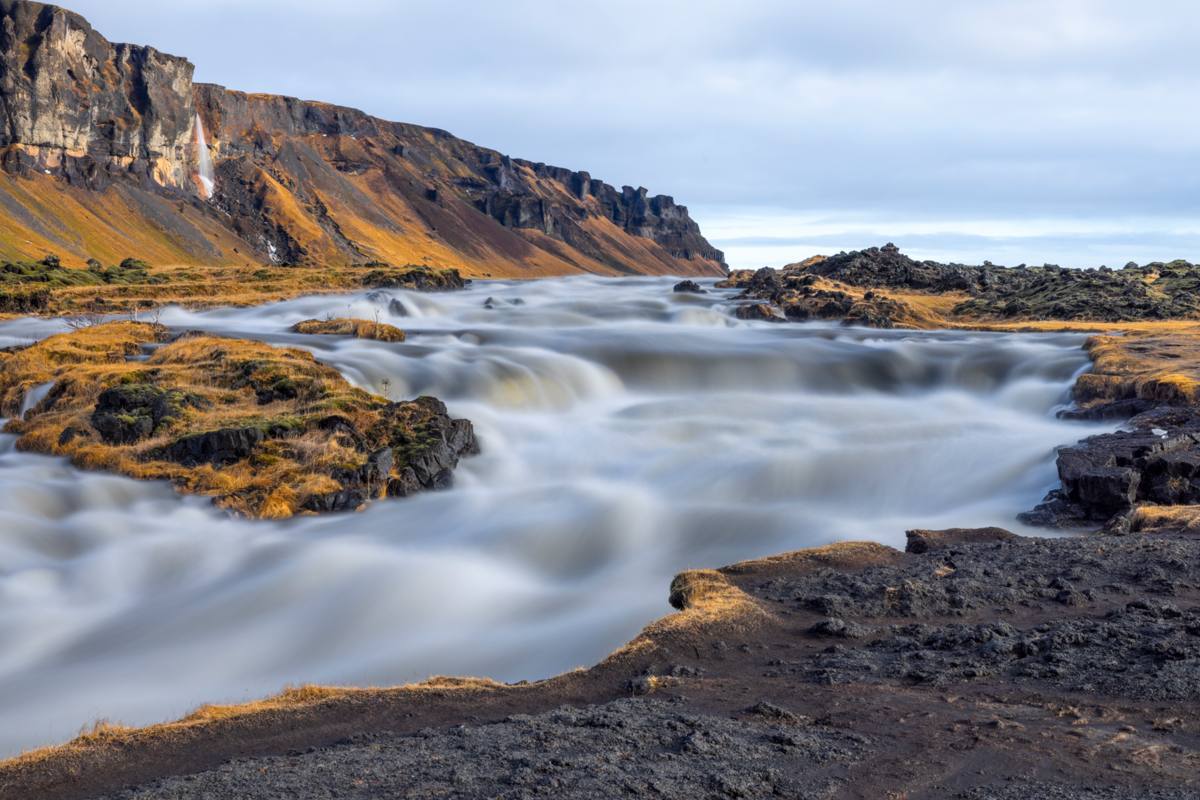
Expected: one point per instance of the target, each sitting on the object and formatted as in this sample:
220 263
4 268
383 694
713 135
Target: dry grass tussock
1166 519
1162 367
358 328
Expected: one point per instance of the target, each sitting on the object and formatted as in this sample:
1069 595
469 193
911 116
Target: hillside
100 157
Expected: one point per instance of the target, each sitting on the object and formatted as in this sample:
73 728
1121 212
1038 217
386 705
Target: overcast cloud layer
1057 130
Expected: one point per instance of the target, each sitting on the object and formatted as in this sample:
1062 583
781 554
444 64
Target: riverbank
975 665
133 289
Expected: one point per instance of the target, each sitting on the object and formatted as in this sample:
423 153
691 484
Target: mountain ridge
99 158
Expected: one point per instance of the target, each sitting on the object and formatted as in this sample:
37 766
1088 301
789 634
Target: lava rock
128 413
218 448
1103 477
925 541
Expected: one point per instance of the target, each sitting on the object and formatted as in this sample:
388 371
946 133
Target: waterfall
204 161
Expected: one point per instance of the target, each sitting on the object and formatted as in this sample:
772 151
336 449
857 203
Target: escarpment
100 138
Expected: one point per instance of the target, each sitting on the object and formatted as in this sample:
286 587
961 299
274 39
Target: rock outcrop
74 104
94 124
798 295
267 432
1153 291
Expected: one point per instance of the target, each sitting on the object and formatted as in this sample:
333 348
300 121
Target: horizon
1014 133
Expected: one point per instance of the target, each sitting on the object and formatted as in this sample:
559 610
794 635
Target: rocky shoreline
977 664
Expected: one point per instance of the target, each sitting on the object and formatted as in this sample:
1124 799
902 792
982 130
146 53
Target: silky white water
203 160
628 433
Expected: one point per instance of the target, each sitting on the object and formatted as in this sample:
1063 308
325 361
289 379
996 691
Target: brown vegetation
1160 367
267 432
205 287
358 328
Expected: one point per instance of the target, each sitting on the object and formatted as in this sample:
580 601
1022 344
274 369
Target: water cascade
628 433
204 161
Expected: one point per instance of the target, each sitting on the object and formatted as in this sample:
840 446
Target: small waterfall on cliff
203 160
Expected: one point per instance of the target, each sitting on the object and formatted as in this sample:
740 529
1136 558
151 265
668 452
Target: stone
129 413
1103 477
218 448
926 541
763 312
690 287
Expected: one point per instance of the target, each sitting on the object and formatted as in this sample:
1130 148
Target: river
628 433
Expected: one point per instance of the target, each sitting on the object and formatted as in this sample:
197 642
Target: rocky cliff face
72 102
112 127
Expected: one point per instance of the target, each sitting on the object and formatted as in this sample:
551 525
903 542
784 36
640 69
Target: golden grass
1170 519
1161 365
843 556
298 699
358 328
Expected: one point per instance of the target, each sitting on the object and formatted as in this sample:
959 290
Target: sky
1060 131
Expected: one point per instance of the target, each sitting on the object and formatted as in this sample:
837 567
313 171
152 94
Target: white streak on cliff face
204 161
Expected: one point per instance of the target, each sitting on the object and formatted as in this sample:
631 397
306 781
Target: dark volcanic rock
426 456
689 286
131 412
959 615
791 296
566 753
1157 461
422 444
924 541
887 267
1154 291
760 311
219 447
417 279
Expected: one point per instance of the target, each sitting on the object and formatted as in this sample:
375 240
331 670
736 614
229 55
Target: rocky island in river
406 456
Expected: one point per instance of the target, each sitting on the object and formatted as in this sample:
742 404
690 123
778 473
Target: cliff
100 157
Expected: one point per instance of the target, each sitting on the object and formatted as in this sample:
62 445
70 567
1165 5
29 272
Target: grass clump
358 328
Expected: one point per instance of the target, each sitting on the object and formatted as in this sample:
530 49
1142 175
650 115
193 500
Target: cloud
924 111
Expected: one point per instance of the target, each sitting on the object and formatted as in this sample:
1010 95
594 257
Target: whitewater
627 433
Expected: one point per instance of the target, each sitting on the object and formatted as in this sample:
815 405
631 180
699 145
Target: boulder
419 279
927 541
218 448
1103 477
690 287
128 413
763 312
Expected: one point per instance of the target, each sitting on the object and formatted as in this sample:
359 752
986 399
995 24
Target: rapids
628 433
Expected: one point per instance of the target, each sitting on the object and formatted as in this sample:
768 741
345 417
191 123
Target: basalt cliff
102 144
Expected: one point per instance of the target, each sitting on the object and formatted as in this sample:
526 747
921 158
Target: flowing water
628 433
204 165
